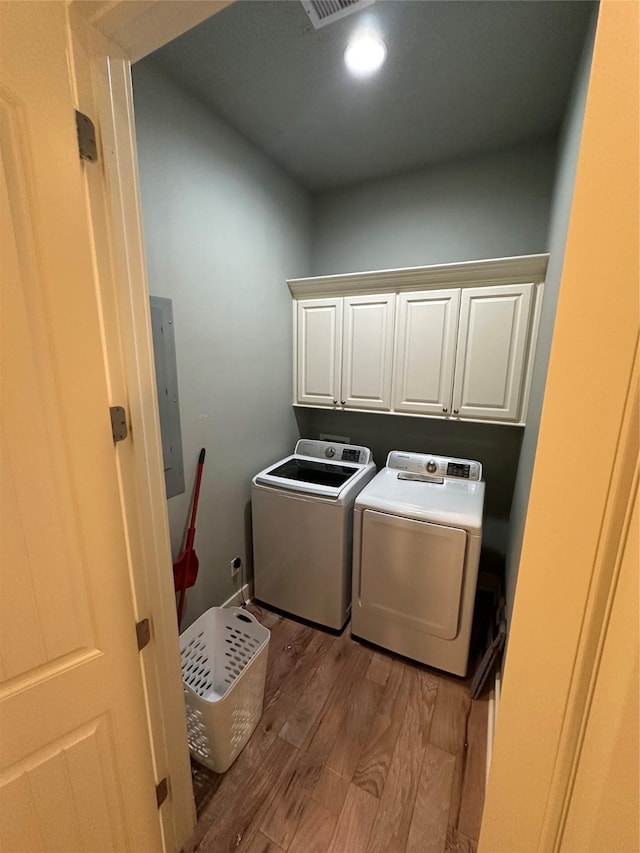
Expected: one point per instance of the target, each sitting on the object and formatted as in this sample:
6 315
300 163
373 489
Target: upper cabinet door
318 345
425 351
367 351
491 352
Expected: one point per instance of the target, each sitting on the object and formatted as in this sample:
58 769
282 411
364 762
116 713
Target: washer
417 532
302 511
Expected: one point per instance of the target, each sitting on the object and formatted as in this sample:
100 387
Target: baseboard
244 593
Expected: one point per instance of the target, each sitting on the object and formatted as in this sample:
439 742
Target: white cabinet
367 351
453 341
344 350
425 351
492 346
318 351
461 352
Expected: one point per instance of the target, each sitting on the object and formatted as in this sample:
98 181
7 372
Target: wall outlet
339 439
236 565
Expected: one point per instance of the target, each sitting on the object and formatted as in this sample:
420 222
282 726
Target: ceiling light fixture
365 54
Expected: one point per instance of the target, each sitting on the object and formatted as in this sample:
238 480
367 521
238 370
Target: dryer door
411 572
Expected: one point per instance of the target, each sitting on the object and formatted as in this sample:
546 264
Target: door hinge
162 789
143 633
87 146
118 423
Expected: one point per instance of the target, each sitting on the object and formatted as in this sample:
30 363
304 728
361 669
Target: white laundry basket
224 666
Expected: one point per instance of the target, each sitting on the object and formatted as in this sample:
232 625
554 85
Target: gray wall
224 229
558 228
490 206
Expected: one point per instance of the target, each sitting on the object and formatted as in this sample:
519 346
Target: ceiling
461 77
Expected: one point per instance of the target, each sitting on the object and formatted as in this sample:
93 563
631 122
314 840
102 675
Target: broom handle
191 533
181 603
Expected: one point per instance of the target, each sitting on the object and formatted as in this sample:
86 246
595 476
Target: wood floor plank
315 830
449 732
280 630
331 791
248 764
322 736
428 688
429 824
262 844
375 758
456 790
276 712
355 823
286 645
449 724
459 843
380 667
296 786
284 712
333 662
336 652
303 714
205 783
393 820
353 734
472 795
305 667
238 811
265 617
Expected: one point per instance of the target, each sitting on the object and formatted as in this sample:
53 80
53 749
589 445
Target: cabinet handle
445 410
335 402
342 402
456 411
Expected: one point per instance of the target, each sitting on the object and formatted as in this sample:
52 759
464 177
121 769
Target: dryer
417 534
302 510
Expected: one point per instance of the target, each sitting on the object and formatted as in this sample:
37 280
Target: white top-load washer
302 510
416 548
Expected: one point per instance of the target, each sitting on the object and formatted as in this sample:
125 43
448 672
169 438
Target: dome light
365 54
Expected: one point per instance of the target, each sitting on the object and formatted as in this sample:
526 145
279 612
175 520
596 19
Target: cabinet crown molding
518 269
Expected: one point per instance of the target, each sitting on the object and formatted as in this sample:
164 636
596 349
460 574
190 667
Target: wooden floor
357 751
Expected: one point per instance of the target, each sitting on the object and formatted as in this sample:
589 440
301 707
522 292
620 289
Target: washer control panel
436 466
353 453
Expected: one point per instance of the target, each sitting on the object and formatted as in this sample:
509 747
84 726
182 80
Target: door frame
104 39
110 34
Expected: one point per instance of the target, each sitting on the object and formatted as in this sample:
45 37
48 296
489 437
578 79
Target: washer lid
312 472
455 503
324 470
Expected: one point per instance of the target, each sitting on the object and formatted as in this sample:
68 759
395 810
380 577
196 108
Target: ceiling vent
323 12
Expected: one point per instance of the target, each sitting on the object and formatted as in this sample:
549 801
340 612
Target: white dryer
417 533
302 509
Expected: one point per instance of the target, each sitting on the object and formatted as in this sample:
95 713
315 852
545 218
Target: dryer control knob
432 466
330 452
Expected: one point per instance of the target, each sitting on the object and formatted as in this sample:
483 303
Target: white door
425 351
76 770
411 572
367 351
318 351
491 352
